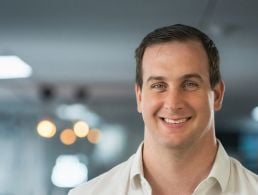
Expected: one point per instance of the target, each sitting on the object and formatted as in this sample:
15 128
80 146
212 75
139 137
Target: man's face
176 99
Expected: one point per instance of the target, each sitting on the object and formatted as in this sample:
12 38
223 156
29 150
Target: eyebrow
194 75
156 78
186 76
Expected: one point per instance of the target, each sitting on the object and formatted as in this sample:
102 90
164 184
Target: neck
182 164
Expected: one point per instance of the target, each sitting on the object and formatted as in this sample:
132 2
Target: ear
138 93
219 90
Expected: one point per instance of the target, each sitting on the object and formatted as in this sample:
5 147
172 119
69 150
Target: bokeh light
94 136
81 129
69 172
46 128
67 136
255 114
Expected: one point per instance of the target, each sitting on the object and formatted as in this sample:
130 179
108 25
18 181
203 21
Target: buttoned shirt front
227 177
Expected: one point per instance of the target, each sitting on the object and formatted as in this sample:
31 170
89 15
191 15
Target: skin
177 104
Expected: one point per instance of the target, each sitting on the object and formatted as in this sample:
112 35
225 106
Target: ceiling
89 45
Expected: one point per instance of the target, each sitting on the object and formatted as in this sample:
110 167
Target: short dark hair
179 32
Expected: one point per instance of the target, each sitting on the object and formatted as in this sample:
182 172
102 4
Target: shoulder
240 170
106 182
243 177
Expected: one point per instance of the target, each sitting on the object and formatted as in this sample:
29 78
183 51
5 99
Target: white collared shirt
227 177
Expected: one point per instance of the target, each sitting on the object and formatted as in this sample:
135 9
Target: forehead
175 58
186 47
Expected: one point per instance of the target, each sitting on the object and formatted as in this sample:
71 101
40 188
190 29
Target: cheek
202 103
205 107
150 104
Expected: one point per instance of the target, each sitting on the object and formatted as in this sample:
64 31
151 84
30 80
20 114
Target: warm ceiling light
94 136
46 129
67 137
81 129
13 67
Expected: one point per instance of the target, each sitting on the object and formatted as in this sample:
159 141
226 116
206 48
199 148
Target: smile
176 121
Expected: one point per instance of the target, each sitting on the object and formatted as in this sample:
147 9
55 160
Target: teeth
171 121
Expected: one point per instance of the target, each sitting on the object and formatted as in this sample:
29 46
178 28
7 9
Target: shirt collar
221 167
137 167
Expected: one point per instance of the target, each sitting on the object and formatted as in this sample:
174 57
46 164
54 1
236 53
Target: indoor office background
81 55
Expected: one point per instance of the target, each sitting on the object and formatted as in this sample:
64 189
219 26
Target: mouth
176 121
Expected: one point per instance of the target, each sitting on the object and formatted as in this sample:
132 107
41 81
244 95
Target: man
178 88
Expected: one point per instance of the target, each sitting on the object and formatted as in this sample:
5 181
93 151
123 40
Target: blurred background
71 114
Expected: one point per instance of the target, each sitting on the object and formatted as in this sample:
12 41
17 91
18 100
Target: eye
159 86
190 85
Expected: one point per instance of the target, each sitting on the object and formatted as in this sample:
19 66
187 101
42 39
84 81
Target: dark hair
179 32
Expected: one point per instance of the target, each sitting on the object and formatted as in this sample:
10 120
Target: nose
174 100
